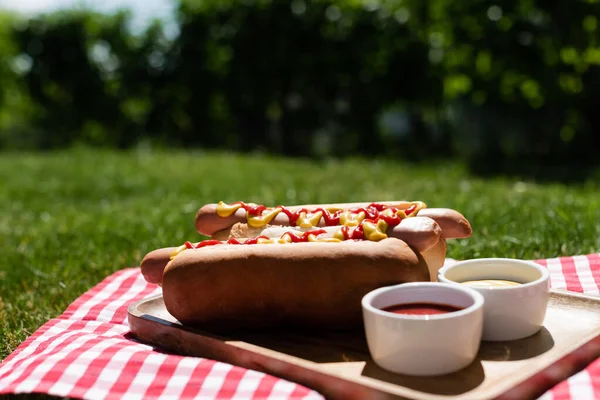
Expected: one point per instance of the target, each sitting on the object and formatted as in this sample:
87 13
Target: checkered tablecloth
87 352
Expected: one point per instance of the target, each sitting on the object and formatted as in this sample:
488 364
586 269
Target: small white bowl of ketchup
515 291
423 328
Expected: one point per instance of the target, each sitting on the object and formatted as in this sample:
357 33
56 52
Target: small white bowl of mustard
516 294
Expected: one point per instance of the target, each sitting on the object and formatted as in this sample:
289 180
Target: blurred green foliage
501 84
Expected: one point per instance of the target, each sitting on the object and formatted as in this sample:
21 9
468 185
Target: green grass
69 219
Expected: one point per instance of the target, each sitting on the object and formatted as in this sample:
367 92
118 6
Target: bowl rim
544 272
478 301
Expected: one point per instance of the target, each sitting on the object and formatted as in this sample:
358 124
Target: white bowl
510 312
423 345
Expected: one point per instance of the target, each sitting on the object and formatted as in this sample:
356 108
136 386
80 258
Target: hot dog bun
435 257
305 285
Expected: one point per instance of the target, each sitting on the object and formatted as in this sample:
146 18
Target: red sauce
379 207
392 220
247 241
354 233
331 219
372 213
293 236
421 309
202 244
410 209
252 210
292 216
304 237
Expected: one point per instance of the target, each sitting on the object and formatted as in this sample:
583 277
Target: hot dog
218 219
223 287
421 233
434 250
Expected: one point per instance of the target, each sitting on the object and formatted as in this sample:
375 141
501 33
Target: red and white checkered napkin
87 353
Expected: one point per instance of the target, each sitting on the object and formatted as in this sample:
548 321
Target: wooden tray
338 365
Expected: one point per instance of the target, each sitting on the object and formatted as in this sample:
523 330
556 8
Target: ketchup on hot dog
288 237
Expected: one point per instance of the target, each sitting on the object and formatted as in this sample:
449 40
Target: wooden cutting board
338 365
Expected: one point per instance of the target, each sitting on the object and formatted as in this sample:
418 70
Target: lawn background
68 219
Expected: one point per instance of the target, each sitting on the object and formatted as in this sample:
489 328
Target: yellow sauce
178 250
347 218
260 221
225 210
375 232
305 221
491 283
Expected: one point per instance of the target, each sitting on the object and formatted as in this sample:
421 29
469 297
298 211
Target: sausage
306 285
418 232
452 223
208 222
153 264
421 233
